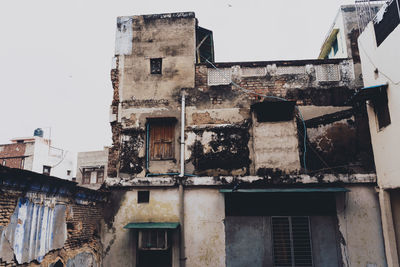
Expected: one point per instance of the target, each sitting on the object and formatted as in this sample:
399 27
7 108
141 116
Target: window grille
327 73
291 242
254 72
155 65
219 77
291 70
154 239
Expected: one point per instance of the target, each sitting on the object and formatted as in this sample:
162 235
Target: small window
86 176
100 176
46 170
68 172
143 196
162 139
155 239
21 166
155 65
381 109
4 162
291 241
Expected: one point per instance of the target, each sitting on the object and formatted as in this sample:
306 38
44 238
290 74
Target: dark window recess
268 111
68 172
204 45
335 46
86 176
296 204
381 109
162 134
291 241
46 170
390 20
155 65
143 196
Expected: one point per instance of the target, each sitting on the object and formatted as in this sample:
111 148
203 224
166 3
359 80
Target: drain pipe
182 255
182 135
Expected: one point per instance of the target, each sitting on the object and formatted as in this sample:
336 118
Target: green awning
287 190
152 225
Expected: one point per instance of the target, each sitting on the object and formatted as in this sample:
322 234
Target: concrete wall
91 159
360 227
119 243
204 228
276 146
384 141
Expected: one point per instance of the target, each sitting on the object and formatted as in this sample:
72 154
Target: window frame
164 141
84 178
165 232
100 171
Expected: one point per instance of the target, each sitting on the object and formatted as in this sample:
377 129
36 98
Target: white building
380 57
37 154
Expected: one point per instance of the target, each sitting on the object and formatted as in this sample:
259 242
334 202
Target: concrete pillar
389 234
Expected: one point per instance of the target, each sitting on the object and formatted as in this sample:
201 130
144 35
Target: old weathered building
48 221
208 158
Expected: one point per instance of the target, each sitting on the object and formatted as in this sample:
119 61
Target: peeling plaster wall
276 146
173 40
339 142
120 243
360 227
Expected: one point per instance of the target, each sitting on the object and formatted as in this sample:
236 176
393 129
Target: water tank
38 132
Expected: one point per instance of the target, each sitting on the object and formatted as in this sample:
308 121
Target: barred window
291 241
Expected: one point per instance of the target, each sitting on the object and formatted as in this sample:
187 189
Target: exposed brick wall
82 225
301 88
8 202
13 154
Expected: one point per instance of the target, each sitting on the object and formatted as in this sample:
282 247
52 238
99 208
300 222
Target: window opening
381 109
143 197
154 239
86 176
100 176
46 170
291 241
155 65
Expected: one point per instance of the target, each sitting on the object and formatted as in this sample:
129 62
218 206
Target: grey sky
55 55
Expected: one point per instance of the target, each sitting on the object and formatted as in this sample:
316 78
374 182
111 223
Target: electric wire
272 97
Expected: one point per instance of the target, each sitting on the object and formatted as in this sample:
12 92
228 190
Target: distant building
92 168
379 45
37 154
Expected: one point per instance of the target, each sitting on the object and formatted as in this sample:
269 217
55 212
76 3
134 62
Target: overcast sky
55 55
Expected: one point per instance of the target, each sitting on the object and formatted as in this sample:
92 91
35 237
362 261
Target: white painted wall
385 142
59 160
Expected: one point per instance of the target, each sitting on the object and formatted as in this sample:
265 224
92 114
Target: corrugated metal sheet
35 228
